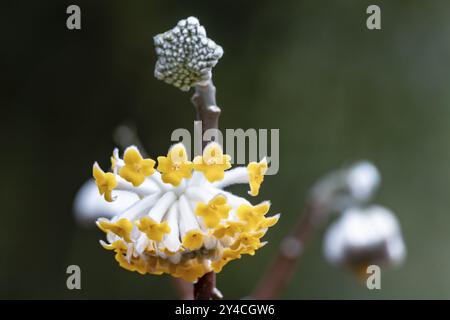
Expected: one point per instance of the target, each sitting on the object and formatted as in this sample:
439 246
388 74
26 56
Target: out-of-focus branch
185 289
126 135
291 250
336 191
204 101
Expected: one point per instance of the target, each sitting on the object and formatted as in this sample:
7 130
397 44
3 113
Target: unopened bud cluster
185 54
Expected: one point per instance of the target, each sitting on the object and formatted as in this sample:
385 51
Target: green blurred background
337 91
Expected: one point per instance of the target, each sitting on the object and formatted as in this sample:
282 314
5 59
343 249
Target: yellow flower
138 264
268 222
106 182
156 265
213 163
251 250
253 215
169 253
113 162
118 246
136 168
190 271
193 240
229 229
175 166
122 227
256 172
245 239
213 211
153 230
227 255
247 243
134 264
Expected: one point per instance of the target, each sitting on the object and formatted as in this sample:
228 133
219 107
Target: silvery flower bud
186 55
347 187
365 236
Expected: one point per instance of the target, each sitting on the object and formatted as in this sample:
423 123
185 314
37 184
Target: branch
207 111
204 288
291 250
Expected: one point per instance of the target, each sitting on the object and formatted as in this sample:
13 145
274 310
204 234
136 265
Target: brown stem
291 250
204 288
207 111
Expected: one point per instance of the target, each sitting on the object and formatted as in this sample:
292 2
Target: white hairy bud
185 55
347 187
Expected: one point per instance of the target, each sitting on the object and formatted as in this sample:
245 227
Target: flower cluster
184 223
365 236
364 233
185 54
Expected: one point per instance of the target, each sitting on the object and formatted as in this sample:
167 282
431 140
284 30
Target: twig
291 250
207 111
204 288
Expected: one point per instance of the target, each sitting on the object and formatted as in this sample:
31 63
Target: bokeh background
337 91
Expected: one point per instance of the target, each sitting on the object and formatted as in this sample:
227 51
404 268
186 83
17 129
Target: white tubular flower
348 187
186 55
183 222
362 237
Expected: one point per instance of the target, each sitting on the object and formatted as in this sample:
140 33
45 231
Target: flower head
183 222
186 55
365 236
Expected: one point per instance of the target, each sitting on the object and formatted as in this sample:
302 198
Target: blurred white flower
362 179
347 187
365 236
